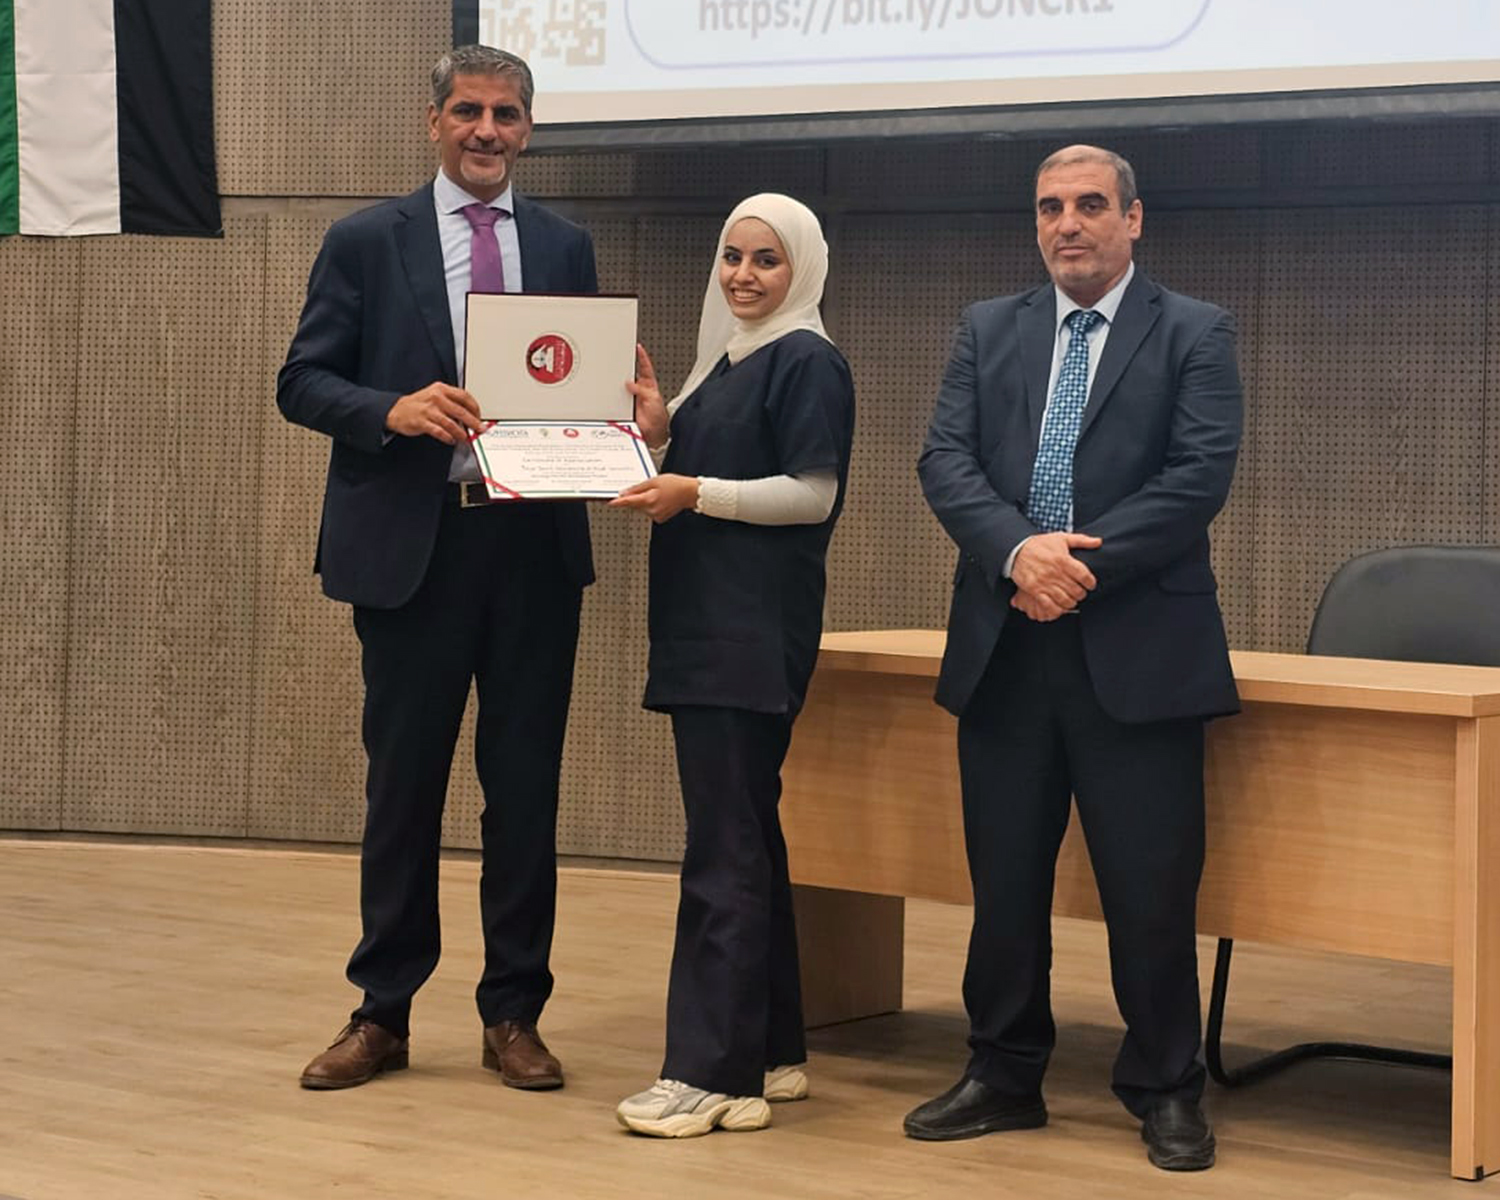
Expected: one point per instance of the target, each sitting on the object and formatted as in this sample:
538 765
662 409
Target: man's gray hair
1124 172
479 60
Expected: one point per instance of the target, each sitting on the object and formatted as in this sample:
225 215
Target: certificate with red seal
549 373
535 357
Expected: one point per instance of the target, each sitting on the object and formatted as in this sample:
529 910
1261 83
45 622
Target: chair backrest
1413 604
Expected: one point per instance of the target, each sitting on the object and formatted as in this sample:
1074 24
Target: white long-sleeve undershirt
804 499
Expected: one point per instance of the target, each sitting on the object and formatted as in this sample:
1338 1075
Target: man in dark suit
1084 437
446 587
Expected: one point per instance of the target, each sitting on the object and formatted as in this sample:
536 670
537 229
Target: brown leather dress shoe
361 1051
516 1050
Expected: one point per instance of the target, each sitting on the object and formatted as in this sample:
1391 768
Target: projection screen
663 69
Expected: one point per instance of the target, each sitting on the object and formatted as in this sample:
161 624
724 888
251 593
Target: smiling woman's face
755 272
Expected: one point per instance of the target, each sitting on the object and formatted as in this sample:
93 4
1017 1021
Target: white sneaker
671 1108
786 1083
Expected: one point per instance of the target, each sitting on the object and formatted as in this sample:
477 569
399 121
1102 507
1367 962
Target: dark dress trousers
1106 705
442 596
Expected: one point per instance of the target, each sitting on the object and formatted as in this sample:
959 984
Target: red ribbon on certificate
626 429
510 493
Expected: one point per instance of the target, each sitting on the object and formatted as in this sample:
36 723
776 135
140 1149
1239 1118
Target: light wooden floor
157 1003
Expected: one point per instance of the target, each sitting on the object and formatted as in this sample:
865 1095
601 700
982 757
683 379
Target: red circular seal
550 358
570 433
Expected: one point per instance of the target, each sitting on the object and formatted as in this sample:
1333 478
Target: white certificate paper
561 460
531 357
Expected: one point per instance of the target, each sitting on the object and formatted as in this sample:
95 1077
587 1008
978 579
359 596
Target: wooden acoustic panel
898 286
1371 397
161 551
39 387
325 97
1490 528
307 766
1215 256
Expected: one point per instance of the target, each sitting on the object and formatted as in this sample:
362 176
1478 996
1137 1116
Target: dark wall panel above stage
1439 154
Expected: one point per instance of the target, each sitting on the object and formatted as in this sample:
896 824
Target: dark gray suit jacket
376 326
1153 464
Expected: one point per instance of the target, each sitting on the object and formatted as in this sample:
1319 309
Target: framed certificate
532 357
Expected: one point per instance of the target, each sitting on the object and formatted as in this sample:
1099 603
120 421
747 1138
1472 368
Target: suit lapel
421 254
1036 330
536 263
1138 311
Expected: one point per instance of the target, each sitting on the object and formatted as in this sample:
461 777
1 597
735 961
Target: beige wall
167 662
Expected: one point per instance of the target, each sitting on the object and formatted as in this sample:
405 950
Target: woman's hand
650 409
661 498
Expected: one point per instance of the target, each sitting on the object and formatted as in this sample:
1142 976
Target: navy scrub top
736 610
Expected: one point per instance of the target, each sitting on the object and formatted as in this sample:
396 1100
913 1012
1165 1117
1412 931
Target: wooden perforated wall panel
1489 532
168 663
306 776
161 549
38 413
324 97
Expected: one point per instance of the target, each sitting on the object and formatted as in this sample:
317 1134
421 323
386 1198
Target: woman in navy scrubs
754 455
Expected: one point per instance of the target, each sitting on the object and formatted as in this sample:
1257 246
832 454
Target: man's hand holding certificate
549 374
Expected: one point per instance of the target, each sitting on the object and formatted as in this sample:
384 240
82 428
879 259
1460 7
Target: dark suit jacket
1153 464
376 326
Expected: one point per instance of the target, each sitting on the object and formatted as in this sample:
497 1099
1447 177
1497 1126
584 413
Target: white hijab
720 332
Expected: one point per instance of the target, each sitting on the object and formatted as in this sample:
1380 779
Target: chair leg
1261 1067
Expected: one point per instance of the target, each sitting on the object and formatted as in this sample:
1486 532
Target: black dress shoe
970 1108
1177 1136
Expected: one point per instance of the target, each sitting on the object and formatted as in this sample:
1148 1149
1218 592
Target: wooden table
1353 806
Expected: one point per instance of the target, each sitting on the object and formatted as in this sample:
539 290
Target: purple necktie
486 269
486 274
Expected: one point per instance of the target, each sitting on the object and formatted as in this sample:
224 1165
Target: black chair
1412 604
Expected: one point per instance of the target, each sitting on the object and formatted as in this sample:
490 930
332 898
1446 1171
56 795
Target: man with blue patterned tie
1084 437
447 588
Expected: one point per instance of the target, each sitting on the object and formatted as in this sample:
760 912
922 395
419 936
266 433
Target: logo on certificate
551 359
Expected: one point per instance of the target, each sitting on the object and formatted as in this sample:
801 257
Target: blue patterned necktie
1050 506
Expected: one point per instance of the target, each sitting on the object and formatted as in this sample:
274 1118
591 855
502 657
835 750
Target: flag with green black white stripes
106 117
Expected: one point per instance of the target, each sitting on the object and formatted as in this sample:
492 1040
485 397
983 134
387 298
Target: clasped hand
1049 580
